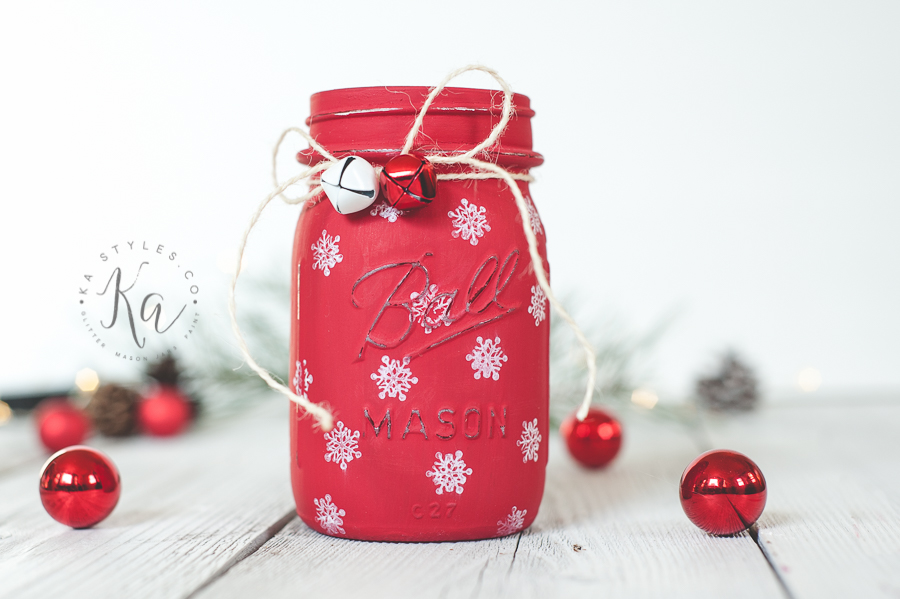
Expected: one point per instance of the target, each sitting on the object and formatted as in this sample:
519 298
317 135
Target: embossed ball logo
139 300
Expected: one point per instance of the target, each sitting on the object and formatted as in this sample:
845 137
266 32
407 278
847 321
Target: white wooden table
210 514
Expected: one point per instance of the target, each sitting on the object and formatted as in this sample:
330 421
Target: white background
736 164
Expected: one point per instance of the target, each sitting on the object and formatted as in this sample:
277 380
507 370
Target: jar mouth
373 122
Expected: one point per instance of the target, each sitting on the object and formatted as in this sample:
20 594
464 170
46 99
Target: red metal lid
373 122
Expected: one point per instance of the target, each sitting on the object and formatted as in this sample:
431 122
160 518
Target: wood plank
832 520
188 506
299 558
634 538
619 532
19 444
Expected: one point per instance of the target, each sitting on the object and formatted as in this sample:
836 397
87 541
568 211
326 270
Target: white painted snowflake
394 378
487 358
513 523
449 472
325 253
538 307
302 376
342 445
385 210
534 218
530 441
469 222
429 310
329 516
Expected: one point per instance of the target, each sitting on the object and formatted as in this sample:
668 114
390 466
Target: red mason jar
425 332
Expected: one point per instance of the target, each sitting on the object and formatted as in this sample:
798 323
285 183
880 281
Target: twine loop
481 170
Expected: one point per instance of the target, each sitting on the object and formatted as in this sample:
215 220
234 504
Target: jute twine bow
481 170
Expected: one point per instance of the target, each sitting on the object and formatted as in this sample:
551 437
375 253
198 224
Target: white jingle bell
350 184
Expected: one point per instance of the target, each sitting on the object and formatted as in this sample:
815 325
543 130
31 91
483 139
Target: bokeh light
5 413
644 398
809 379
87 380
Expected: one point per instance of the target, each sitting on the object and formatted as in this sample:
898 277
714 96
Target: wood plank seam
754 534
698 431
515 551
246 552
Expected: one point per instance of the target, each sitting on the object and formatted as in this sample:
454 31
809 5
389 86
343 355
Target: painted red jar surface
425 332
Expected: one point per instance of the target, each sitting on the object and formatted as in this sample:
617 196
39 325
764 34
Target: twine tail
322 415
590 356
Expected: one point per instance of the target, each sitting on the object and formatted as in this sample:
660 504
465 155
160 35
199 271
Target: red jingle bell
723 492
60 424
594 441
79 486
164 412
408 182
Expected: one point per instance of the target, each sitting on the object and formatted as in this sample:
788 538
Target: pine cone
166 371
733 388
113 410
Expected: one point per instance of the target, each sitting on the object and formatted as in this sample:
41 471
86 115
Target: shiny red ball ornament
61 424
594 441
408 181
723 492
164 412
80 486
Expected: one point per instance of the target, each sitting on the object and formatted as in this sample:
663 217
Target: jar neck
373 122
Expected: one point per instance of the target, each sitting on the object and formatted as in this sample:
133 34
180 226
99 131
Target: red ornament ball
164 412
408 182
60 424
79 486
723 492
594 441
